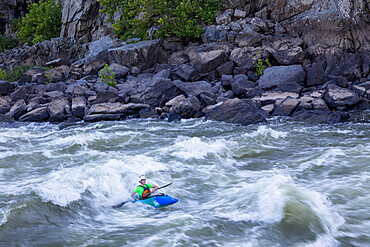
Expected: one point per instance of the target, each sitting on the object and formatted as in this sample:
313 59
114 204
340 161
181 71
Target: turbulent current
279 183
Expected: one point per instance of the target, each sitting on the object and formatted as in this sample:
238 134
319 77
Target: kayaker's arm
155 187
132 196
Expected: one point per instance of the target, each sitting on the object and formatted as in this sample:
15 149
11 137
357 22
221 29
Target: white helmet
142 177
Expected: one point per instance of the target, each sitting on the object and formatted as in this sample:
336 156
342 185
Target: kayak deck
158 201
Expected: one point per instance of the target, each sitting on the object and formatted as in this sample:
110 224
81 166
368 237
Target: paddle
123 203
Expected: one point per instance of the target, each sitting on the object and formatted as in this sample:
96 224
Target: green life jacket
146 192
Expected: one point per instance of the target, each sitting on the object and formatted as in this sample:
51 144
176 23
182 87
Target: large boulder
113 111
36 115
17 110
340 98
188 108
243 57
240 84
157 93
78 106
240 111
248 37
208 60
58 109
193 88
286 50
274 76
144 53
23 92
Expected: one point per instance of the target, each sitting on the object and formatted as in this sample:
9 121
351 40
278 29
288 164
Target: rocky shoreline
172 79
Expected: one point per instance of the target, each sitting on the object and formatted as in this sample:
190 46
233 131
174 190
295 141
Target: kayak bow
159 201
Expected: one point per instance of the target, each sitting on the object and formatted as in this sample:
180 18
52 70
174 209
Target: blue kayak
159 201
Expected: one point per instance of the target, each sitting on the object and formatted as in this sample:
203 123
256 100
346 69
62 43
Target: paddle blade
120 204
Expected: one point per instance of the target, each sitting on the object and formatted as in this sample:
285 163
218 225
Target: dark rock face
237 111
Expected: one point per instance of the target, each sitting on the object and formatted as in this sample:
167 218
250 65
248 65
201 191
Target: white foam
105 181
326 158
197 148
267 199
264 131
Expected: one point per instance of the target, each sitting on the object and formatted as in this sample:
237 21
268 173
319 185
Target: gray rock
240 13
188 108
247 38
226 68
6 87
272 97
176 100
36 115
106 96
315 74
144 52
58 109
55 87
4 104
237 111
285 49
319 105
116 108
274 76
186 72
285 107
119 70
340 98
243 57
23 92
317 117
178 58
58 74
30 75
193 88
240 84
158 92
78 106
209 60
223 19
17 110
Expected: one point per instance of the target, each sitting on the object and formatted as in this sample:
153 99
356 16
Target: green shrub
7 43
43 22
181 18
2 74
260 64
107 76
16 73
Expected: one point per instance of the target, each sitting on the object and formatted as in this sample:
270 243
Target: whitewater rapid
275 184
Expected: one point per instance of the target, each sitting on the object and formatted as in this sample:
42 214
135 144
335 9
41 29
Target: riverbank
225 77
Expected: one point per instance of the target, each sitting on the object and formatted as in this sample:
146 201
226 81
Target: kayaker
143 189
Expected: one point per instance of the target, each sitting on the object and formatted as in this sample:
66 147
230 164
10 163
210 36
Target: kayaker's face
143 181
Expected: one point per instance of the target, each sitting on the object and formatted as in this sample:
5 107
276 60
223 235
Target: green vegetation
7 43
16 73
260 64
107 76
181 18
2 74
43 22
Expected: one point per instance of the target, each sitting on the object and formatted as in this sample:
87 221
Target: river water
280 183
